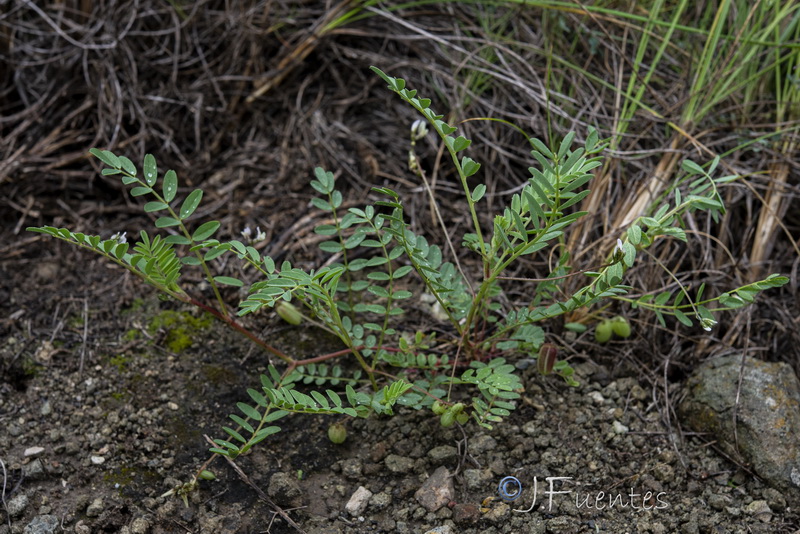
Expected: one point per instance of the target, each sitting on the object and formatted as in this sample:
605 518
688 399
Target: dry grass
245 98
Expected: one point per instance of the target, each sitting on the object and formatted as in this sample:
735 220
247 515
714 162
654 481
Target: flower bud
547 358
207 475
289 313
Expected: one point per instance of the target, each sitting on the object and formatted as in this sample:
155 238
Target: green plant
360 298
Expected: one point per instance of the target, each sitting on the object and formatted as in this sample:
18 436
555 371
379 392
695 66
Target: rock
16 506
380 500
482 443
619 428
442 453
760 510
42 524
34 470
444 529
398 464
140 525
32 452
437 491
95 508
285 490
466 514
767 417
97 460
358 501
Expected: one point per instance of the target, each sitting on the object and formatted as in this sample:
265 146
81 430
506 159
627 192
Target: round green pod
602 332
438 407
448 419
621 327
337 433
289 313
462 418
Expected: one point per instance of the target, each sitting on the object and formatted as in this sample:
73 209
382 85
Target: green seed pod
448 419
289 313
457 408
337 433
621 327
547 358
207 475
602 332
462 418
438 407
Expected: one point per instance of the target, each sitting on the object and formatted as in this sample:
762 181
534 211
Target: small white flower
419 130
619 249
120 237
247 233
260 236
706 323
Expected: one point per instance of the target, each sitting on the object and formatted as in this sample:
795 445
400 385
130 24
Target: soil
107 393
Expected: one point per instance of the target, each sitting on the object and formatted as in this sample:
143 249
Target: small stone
32 452
437 491
82 528
664 472
33 470
718 502
444 529
482 443
97 460
16 506
498 512
46 408
478 479
398 464
140 525
284 488
351 468
619 428
466 514
42 524
358 501
596 397
95 508
760 510
172 406
380 500
442 453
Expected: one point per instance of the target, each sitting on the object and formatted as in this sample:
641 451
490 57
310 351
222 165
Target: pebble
398 464
17 505
442 453
140 525
619 428
46 409
444 529
285 489
32 451
760 509
42 524
466 514
95 508
596 396
358 501
33 470
437 491
380 500
97 460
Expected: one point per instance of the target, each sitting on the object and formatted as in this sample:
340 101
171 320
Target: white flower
247 233
419 130
260 236
120 237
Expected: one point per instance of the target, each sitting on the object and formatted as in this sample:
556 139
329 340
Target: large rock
767 417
